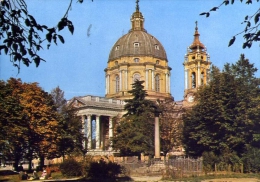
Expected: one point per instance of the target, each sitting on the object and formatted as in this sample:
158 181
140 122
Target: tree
251 33
22 34
30 121
226 116
58 98
170 126
135 132
70 126
11 121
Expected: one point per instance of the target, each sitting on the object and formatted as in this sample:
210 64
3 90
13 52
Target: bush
102 169
251 160
70 167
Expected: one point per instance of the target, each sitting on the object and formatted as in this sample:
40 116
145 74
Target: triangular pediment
76 103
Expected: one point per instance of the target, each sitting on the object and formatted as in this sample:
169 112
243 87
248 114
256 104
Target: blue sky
77 66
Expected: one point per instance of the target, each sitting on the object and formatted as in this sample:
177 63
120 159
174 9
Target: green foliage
226 116
227 161
135 132
251 160
70 167
251 31
22 34
70 139
104 170
138 104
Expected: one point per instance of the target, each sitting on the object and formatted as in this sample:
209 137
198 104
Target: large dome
137 43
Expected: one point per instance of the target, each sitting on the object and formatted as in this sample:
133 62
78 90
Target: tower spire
196 42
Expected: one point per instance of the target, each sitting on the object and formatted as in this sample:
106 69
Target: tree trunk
30 165
41 162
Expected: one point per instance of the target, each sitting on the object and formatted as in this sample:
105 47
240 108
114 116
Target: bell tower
196 68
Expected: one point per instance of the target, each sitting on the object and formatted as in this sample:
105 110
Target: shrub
102 169
70 167
55 167
251 160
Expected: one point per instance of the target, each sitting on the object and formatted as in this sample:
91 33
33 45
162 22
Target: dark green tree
226 114
135 132
251 33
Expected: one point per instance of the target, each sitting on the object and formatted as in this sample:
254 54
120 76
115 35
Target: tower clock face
191 98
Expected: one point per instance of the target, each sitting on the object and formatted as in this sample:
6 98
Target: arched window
157 83
117 84
136 76
193 80
136 60
202 78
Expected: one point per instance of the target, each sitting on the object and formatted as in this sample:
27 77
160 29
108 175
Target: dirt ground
158 179
233 180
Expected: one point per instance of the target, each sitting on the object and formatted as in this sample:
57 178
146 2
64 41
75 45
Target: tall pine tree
135 132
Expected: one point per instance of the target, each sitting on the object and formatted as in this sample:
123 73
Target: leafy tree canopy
251 33
71 138
226 116
29 121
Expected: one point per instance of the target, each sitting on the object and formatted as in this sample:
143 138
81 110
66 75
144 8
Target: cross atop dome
137 6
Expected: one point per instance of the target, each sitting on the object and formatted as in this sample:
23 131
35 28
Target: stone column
152 79
157 137
106 86
101 135
166 83
110 133
169 81
198 76
186 81
120 80
108 82
97 132
146 79
83 122
89 133
126 82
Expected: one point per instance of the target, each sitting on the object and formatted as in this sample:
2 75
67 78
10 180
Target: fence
172 167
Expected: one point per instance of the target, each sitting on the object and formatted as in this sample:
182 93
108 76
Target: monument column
157 137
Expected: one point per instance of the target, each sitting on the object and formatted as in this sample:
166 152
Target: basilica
137 55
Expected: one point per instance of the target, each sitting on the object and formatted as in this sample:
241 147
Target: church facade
137 55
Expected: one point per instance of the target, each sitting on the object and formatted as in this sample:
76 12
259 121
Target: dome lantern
137 19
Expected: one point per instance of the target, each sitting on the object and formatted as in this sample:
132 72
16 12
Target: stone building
137 55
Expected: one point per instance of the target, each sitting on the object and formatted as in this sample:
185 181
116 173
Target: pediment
76 103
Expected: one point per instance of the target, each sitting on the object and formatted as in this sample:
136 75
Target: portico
97 121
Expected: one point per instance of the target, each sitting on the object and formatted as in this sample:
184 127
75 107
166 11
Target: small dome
137 43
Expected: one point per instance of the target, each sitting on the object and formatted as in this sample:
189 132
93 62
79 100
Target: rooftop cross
137 5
